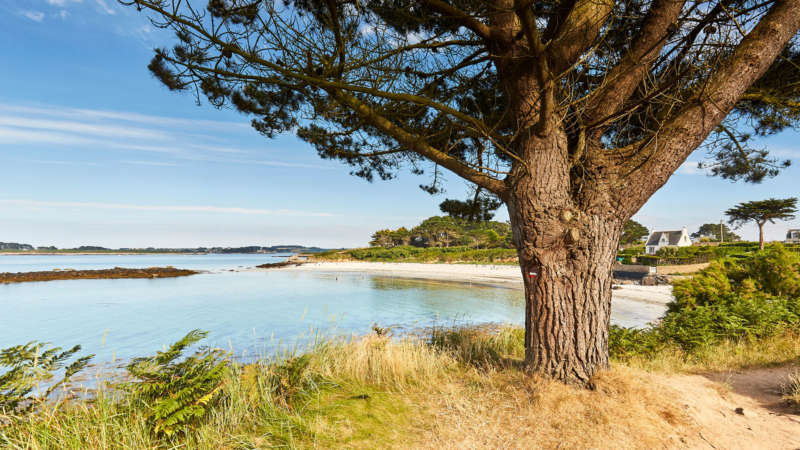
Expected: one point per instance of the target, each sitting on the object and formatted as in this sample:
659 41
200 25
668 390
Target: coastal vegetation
447 231
418 390
420 254
571 113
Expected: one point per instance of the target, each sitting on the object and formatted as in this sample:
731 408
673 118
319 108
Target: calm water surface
247 311
35 263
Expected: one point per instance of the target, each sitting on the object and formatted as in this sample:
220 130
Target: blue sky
96 152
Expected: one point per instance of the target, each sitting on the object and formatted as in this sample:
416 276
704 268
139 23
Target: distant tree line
14 246
447 231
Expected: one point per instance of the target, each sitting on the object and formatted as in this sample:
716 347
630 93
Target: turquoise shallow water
247 311
35 263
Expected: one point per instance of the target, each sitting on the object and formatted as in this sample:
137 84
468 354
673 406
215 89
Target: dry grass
627 410
726 356
462 388
791 389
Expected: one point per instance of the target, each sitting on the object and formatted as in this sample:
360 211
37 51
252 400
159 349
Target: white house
661 239
792 236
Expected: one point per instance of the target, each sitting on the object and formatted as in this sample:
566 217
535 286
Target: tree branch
580 29
622 80
451 12
669 147
419 146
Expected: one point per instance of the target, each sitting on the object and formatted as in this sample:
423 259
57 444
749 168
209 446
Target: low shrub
757 298
673 261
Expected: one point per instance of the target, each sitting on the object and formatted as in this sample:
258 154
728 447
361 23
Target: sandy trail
764 420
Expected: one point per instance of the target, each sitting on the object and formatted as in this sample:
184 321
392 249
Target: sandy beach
503 276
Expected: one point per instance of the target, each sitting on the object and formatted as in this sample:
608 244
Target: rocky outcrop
293 260
116 272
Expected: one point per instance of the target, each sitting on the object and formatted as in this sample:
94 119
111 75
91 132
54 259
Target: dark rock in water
656 280
293 260
117 272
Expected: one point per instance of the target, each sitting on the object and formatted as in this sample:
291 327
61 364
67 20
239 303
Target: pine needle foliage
27 367
176 393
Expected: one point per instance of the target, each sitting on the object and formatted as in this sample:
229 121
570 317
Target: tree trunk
761 235
571 249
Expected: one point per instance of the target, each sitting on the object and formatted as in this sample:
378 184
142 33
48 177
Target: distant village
205 250
680 238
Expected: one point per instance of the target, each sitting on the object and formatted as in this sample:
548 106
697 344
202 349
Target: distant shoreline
124 253
99 253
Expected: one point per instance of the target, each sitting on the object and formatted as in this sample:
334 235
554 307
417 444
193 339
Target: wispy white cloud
25 203
132 133
63 3
103 130
42 161
152 163
63 14
690 168
104 7
284 164
93 114
33 15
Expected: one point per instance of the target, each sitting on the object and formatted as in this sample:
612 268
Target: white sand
507 276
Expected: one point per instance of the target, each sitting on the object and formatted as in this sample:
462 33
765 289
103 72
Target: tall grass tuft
791 389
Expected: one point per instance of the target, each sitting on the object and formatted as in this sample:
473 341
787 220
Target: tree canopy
633 232
761 212
446 231
709 229
381 84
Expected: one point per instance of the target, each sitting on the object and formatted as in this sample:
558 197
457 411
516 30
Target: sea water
246 312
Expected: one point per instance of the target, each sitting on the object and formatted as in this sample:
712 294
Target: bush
755 298
776 271
674 261
667 252
176 394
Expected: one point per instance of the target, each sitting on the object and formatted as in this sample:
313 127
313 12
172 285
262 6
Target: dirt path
763 421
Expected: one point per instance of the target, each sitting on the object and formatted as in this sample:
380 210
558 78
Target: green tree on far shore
725 235
761 212
633 232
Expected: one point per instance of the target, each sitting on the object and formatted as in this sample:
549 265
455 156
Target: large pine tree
572 112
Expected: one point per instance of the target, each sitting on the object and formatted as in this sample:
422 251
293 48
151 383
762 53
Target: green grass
453 386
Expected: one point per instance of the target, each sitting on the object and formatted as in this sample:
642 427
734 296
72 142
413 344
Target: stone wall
636 272
688 268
